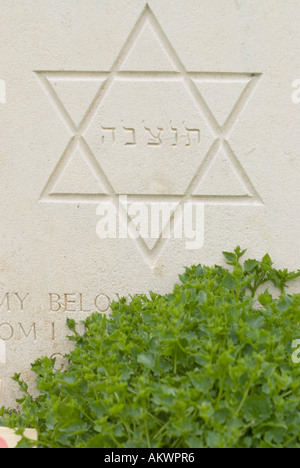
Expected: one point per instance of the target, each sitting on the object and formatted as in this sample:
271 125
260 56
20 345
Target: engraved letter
21 300
5 299
176 136
81 303
4 336
61 363
68 301
21 329
191 131
133 140
54 299
99 307
155 140
53 331
109 129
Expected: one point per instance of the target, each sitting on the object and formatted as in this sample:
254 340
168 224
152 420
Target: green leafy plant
208 365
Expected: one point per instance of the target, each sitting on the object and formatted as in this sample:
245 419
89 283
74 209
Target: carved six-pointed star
114 150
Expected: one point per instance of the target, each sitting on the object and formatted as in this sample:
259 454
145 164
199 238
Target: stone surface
134 106
8 438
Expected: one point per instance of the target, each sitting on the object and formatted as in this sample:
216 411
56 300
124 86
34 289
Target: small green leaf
249 265
265 298
266 262
230 257
201 297
229 281
147 360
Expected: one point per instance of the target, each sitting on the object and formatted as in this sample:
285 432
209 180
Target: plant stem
244 398
161 429
175 361
220 392
147 434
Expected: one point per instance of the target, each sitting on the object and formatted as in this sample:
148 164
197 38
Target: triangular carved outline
75 143
221 133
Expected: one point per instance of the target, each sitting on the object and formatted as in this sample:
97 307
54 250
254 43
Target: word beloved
72 302
155 136
56 302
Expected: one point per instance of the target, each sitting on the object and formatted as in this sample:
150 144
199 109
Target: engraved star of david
220 132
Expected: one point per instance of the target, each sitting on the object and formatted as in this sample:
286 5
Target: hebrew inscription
145 135
158 119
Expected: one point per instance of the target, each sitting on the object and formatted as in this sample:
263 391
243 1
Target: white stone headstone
138 139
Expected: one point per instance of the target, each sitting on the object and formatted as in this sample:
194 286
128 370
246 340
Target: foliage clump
208 365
